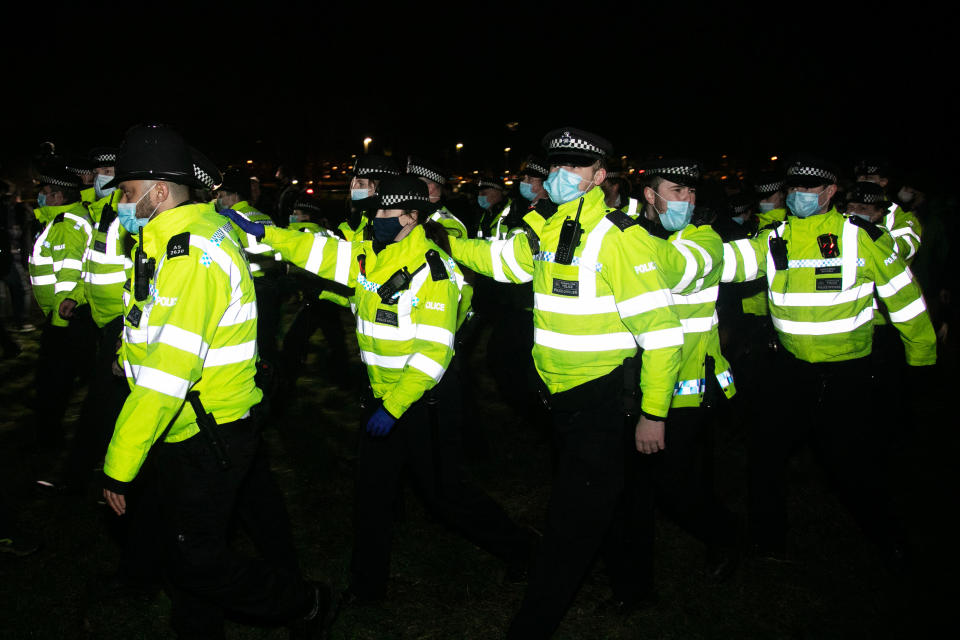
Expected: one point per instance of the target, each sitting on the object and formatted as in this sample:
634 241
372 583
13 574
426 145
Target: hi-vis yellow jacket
407 341
196 329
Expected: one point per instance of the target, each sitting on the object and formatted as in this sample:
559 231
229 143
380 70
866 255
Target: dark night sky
719 78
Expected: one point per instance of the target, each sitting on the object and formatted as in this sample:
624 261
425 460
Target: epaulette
872 230
546 207
770 225
179 245
533 240
621 220
60 218
438 271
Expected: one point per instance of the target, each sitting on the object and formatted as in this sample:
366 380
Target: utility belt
602 391
213 435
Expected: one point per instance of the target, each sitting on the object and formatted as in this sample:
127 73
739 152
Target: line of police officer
625 341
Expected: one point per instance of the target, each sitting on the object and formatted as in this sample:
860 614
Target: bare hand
942 332
116 501
66 308
649 435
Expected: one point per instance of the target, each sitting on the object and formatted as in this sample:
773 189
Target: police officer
598 296
822 270
407 293
897 219
368 170
533 171
56 268
677 476
189 352
495 207
434 177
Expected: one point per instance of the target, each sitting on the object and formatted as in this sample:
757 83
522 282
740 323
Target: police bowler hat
157 152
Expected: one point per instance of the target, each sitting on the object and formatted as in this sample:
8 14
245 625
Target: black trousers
830 407
267 289
98 415
429 448
678 480
314 314
65 353
588 426
198 501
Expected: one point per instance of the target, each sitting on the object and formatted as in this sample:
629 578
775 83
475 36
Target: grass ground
443 587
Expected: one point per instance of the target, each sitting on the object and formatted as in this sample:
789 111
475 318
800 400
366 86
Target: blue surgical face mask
98 183
359 194
803 204
127 214
294 219
739 221
386 229
766 207
563 186
527 191
483 202
678 214
41 200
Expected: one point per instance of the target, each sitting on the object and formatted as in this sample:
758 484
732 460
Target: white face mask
905 196
98 183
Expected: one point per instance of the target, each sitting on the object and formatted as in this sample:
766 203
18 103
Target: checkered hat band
770 187
870 198
57 182
533 166
486 183
390 199
426 173
741 208
810 172
309 206
106 158
79 171
205 178
869 169
574 144
683 170
362 171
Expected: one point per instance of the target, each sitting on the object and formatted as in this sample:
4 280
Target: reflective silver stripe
851 251
238 313
233 354
61 287
69 263
660 338
729 263
689 267
909 312
725 378
36 257
161 381
707 260
387 362
103 258
844 325
749 258
342 273
496 249
386 332
698 325
821 298
39 281
315 259
644 302
428 366
257 248
41 260
632 207
570 342
689 387
174 336
896 283
100 279
703 296
219 256
433 333
254 267
574 306
81 221
587 269
510 255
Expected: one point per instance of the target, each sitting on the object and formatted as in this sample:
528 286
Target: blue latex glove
253 228
380 423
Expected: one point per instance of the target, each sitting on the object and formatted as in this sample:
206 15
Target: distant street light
366 144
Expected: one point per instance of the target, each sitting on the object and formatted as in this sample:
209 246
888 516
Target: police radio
397 282
778 249
569 238
142 271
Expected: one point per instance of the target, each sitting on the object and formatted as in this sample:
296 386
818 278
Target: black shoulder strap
438 271
621 220
872 230
771 225
60 218
179 245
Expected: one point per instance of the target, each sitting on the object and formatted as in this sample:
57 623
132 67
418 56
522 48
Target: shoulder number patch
179 245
